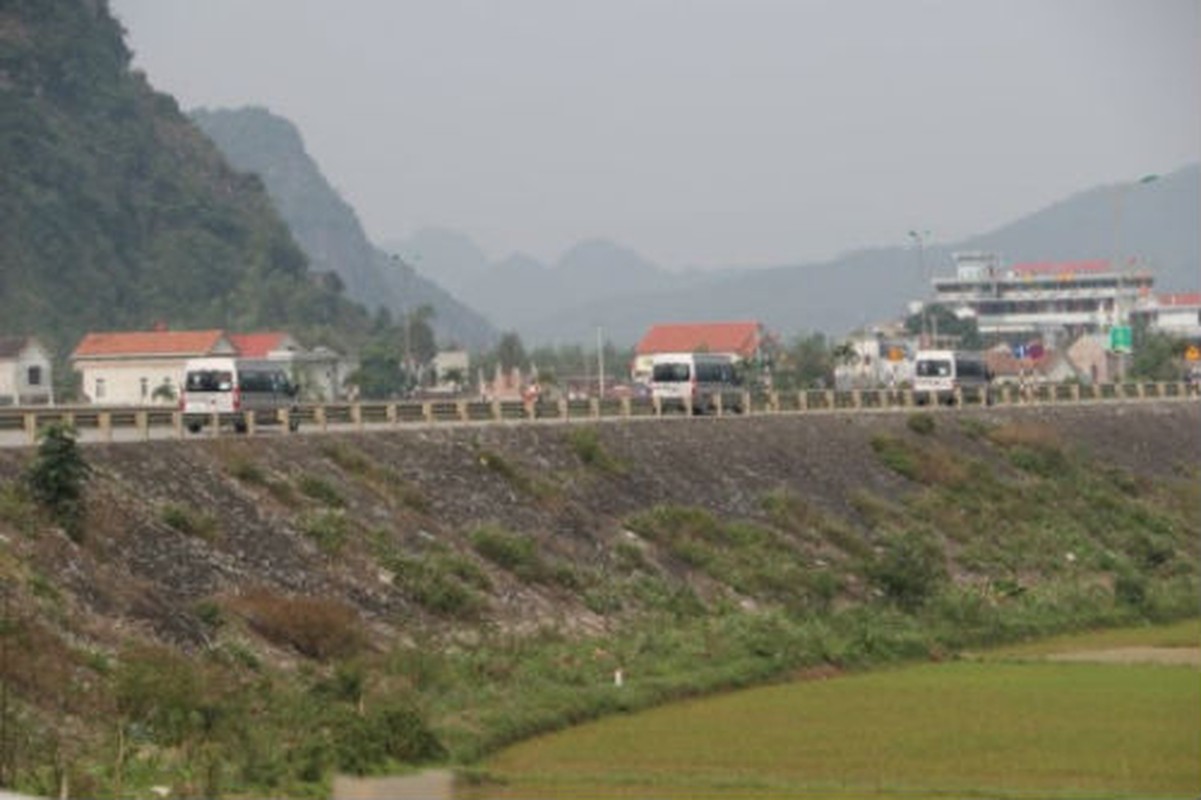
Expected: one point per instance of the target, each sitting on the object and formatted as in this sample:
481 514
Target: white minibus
235 388
949 376
696 380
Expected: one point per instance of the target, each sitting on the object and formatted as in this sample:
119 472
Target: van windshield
670 373
933 368
209 380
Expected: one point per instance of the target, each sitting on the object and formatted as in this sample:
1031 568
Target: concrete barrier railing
100 423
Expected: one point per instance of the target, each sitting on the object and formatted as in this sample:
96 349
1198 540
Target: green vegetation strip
958 729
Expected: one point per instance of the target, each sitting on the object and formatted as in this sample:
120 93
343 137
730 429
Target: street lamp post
919 239
1121 311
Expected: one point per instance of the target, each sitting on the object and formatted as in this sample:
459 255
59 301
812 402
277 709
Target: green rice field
1007 724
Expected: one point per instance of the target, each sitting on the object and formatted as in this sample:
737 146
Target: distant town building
741 340
25 377
452 370
1057 301
880 358
1177 315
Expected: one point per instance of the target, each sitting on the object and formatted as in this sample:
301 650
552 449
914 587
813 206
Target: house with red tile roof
263 345
739 339
24 371
141 367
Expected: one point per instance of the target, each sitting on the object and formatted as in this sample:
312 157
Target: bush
328 528
317 628
57 476
517 554
922 424
585 443
392 735
189 521
910 570
321 490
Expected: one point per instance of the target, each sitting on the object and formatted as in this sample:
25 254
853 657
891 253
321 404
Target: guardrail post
461 410
104 422
30 423
141 421
657 405
719 407
625 408
802 399
250 422
427 411
594 407
856 398
319 417
356 415
390 414
177 424
284 417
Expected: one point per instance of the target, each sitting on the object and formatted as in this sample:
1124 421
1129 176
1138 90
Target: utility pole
600 361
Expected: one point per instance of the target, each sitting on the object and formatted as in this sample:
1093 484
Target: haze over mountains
327 229
602 284
118 212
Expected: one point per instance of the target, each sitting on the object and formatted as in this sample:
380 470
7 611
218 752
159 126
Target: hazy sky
698 132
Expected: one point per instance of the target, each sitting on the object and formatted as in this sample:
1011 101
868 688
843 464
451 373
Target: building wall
130 381
15 385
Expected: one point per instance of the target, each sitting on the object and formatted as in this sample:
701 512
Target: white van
945 375
696 381
235 387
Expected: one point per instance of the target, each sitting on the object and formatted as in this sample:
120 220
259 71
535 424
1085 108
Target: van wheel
193 427
240 426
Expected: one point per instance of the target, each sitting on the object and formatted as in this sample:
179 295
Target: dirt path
432 785
1186 656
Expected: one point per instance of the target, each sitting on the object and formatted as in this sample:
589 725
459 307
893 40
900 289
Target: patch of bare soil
1175 656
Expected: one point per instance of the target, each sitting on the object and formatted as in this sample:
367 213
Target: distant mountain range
327 228
599 284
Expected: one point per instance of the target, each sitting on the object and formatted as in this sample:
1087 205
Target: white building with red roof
1049 299
146 367
738 339
141 367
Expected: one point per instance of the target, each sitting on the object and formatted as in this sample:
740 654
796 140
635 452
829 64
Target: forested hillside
116 212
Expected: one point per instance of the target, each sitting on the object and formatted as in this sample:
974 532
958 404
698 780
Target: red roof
1180 299
716 337
149 343
1061 267
257 345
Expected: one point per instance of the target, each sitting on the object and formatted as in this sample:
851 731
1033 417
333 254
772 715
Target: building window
99 393
145 387
33 376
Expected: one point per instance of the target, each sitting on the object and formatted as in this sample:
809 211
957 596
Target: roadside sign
1193 353
1121 339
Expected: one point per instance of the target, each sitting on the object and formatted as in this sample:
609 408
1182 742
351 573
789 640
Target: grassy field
1007 725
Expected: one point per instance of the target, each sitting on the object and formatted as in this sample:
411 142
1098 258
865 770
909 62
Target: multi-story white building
1177 315
1058 301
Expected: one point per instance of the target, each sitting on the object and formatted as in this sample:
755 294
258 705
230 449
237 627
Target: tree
947 324
510 352
379 375
1157 358
57 475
